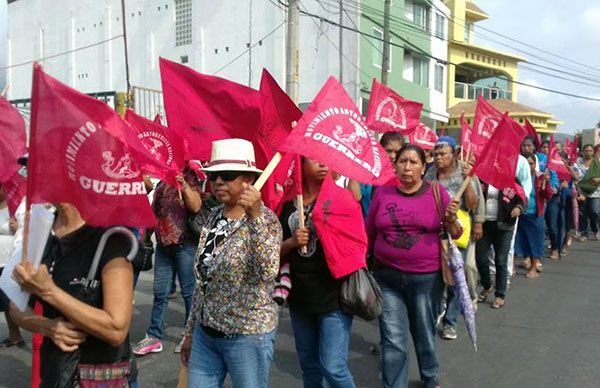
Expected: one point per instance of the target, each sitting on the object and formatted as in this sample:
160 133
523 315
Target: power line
63 53
259 41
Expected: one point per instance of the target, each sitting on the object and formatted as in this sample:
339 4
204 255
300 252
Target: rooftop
502 105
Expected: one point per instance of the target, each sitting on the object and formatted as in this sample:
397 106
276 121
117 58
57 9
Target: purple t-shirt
404 229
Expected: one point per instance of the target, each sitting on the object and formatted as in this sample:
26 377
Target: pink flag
333 132
484 125
201 108
423 136
533 133
14 191
74 158
12 139
166 149
466 131
572 150
556 162
339 222
497 164
388 111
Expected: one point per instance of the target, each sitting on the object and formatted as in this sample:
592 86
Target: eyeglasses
226 176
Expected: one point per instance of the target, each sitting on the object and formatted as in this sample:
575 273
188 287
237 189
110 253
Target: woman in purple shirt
404 236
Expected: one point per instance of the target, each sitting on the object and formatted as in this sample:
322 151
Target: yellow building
479 71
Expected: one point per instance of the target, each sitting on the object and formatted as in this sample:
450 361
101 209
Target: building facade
81 43
418 53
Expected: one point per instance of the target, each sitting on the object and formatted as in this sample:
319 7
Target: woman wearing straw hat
232 324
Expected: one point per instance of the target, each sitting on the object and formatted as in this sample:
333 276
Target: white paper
40 226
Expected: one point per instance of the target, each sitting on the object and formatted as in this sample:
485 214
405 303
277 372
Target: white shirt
491 204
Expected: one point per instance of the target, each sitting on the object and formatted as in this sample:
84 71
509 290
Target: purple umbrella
461 288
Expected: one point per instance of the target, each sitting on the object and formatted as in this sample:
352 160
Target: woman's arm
354 188
111 323
191 197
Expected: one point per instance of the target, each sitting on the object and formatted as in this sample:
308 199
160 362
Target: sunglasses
226 176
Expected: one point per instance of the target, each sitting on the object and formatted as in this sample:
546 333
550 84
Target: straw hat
232 155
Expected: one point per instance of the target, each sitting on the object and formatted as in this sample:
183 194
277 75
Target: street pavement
547 335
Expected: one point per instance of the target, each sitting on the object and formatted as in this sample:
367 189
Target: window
421 71
440 26
421 16
439 78
377 41
468 27
183 22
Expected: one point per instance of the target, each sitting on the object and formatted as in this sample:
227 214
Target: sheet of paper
40 226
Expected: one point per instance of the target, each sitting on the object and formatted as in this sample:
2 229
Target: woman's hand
516 212
301 237
250 200
65 335
12 225
186 350
35 281
451 211
477 231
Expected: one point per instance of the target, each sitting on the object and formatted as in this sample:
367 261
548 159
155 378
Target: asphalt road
547 335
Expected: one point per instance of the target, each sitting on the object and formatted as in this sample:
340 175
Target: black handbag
143 259
360 295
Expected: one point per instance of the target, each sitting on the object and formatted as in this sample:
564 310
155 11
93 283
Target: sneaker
147 345
597 236
448 333
177 349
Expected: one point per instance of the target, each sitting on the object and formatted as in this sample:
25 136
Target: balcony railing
472 92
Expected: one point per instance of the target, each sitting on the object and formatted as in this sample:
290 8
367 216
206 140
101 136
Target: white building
81 43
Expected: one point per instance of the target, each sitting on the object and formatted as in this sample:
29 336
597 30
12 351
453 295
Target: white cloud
591 19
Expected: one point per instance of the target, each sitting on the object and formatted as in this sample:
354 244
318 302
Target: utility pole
291 53
385 60
341 41
129 98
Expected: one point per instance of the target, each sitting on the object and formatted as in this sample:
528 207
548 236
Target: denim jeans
247 358
501 240
555 222
592 213
322 342
410 307
452 300
168 259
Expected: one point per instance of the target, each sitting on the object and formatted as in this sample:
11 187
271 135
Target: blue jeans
247 358
452 301
410 307
322 342
555 222
591 214
500 239
168 259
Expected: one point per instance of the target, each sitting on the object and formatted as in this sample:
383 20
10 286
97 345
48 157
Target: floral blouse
236 266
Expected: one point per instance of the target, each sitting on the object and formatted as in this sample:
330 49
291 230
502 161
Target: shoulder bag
360 295
444 242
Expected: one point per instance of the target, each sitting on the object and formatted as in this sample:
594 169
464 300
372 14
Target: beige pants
471 271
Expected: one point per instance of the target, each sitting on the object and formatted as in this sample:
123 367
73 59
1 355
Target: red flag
423 136
388 111
533 133
497 164
14 191
202 108
73 157
339 222
466 131
484 125
12 139
286 109
556 162
166 149
333 132
572 150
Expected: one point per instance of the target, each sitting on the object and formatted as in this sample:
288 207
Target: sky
569 28
3 24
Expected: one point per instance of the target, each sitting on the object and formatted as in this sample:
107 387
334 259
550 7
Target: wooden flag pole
183 378
262 179
5 90
301 223
462 189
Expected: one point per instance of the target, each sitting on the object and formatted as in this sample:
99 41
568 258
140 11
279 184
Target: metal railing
148 102
472 92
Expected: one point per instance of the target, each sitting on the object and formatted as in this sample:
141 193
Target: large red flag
497 164
333 132
465 133
556 162
286 109
202 108
14 191
388 111
572 150
12 139
533 133
73 157
340 226
484 125
166 149
423 136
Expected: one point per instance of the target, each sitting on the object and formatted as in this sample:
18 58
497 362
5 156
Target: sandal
483 295
498 303
8 343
